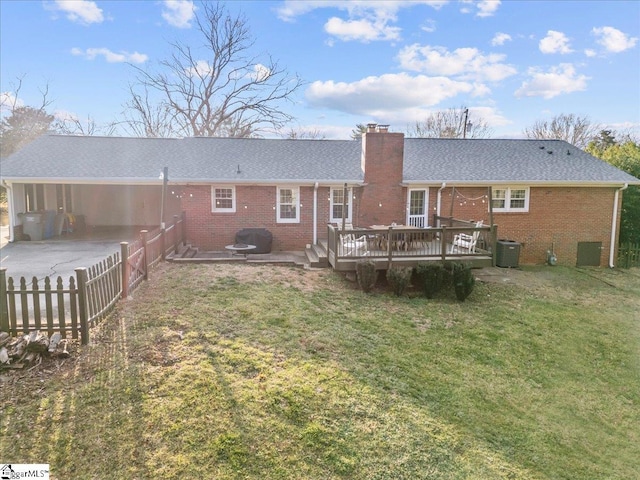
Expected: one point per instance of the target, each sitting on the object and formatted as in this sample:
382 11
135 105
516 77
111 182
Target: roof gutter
614 224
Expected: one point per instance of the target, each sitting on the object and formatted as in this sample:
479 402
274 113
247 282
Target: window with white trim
223 199
510 199
338 208
288 205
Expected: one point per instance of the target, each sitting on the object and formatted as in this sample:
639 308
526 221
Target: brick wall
558 216
562 216
255 208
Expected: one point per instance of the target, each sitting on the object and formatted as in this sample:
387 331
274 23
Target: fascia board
538 183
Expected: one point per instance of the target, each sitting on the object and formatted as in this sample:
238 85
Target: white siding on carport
111 205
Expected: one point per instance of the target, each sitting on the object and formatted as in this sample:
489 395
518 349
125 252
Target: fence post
81 277
4 301
145 253
175 234
163 243
183 230
125 268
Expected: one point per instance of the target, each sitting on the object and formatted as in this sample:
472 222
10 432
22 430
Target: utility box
507 254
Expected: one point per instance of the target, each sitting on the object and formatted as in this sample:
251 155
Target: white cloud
429 26
363 30
381 96
613 40
486 8
65 115
557 81
179 13
261 72
8 100
201 69
80 11
500 39
555 42
290 9
109 56
467 63
368 20
590 53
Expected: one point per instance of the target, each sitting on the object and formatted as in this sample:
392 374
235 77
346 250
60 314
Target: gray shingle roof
141 160
501 161
68 159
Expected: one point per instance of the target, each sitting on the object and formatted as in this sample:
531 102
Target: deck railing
89 297
404 242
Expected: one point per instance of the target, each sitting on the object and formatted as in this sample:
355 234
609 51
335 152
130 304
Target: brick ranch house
541 193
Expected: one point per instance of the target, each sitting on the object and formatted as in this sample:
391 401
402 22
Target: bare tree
576 130
451 123
72 125
143 118
22 124
302 134
219 89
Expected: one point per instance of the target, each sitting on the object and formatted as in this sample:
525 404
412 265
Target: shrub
463 280
431 278
367 274
399 279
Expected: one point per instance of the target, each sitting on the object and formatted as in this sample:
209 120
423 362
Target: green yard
235 371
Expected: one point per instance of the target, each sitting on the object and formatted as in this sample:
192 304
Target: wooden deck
409 246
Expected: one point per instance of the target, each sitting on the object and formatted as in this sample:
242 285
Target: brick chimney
382 199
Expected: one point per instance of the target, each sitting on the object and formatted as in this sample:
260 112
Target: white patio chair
463 241
354 246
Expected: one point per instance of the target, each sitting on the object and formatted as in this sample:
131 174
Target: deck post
389 250
443 244
494 244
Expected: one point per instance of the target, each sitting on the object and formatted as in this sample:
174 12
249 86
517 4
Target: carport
100 181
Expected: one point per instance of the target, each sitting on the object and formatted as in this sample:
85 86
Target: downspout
315 213
439 201
10 200
614 224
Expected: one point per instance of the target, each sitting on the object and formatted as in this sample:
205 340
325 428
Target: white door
417 211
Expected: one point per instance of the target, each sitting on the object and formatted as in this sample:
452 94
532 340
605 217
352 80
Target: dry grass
236 371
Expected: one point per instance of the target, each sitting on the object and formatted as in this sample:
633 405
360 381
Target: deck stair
317 255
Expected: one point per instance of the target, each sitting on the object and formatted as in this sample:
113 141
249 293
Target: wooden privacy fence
629 255
89 297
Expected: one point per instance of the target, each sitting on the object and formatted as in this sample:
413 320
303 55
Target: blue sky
391 62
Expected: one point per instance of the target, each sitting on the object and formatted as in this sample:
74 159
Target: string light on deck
463 200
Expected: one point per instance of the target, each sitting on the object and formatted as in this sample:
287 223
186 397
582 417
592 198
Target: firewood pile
27 350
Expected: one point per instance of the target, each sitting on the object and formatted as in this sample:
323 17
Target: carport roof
127 160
